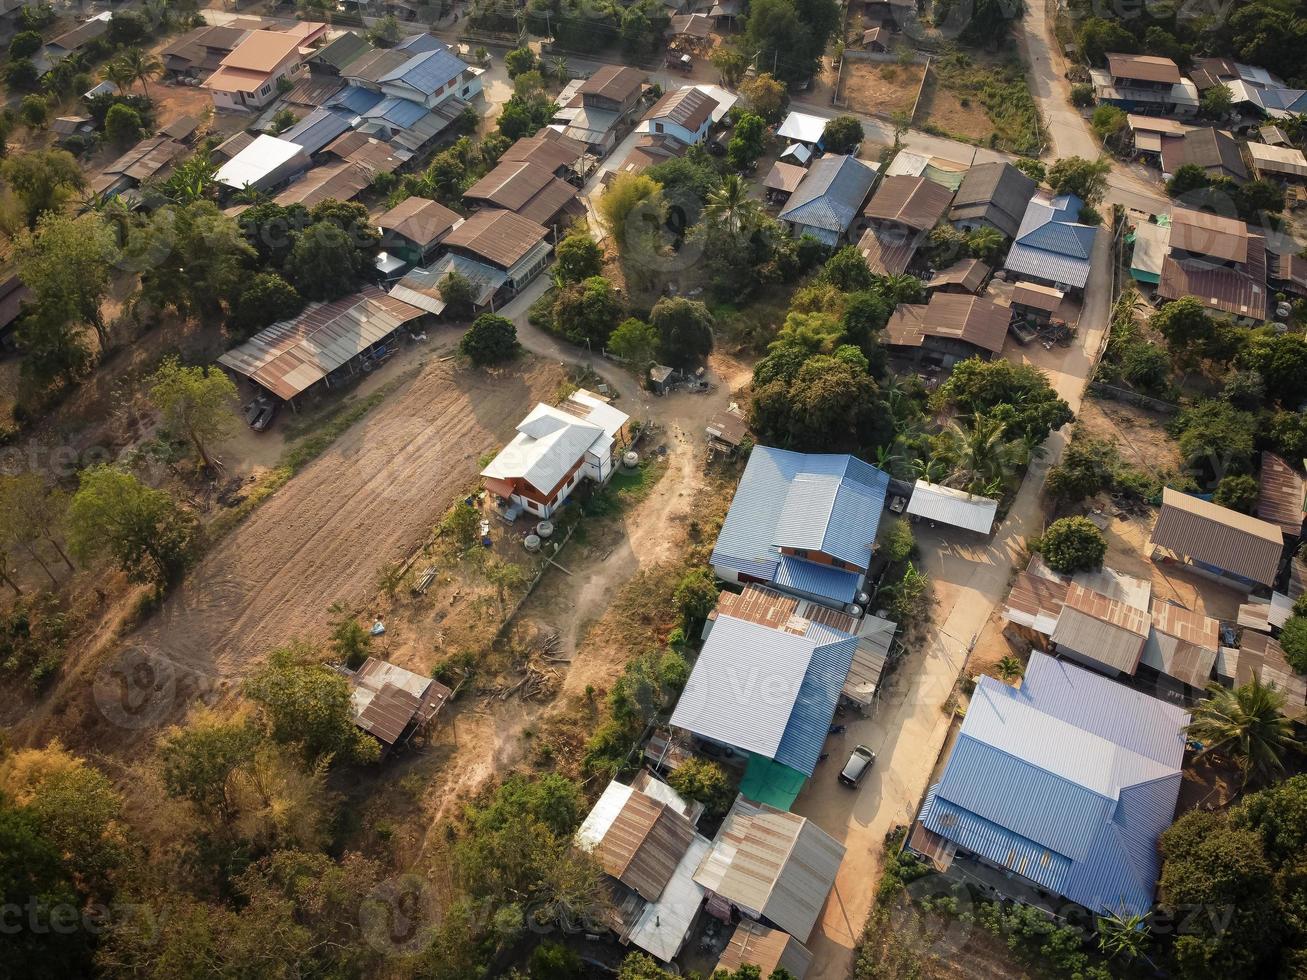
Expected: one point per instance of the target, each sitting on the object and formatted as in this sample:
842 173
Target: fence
1132 397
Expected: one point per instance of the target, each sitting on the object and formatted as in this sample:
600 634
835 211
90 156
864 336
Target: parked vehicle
260 412
860 762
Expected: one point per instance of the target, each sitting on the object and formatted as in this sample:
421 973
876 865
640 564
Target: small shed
875 39
965 276
957 508
393 704
660 376
782 180
727 429
1036 300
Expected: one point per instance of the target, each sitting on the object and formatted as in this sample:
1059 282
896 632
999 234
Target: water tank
1282 310
631 460
862 599
545 529
854 610
531 542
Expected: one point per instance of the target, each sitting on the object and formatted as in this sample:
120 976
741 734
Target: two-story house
1146 84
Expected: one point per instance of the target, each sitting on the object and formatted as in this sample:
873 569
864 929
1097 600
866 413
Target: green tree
349 640
490 340
323 265
33 512
685 330
42 180
729 206
829 406
1187 327
1087 179
1279 358
194 402
458 294
579 257
748 141
191 258
143 530
980 456
554 961
1108 123
843 134
520 61
1009 669
53 348
1288 434
790 36
1035 169
1216 437
695 596
122 124
199 762
266 299
1247 726
66 264
118 74
307 704
24 44
730 64
898 542
1188 177
143 66
1293 640
1016 394
985 243
631 208
1146 366
848 270
1072 544
34 112
1216 102
1238 492
1098 36
706 782
635 342
1082 97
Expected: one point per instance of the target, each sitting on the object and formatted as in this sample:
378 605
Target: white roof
802 127
798 152
662 927
550 440
1152 243
907 164
257 160
955 507
724 99
600 818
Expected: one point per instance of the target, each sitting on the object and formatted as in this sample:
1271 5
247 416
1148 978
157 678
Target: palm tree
558 65
118 73
730 203
978 456
985 243
901 288
932 470
1123 935
1246 725
143 66
1009 668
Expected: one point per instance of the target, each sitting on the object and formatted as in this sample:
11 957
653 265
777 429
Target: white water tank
545 529
862 599
531 542
631 460
854 610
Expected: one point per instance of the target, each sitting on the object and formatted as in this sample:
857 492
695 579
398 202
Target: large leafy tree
194 402
1281 359
587 311
830 405
1017 394
66 263
42 180
789 36
685 330
579 257
143 530
265 299
748 141
490 340
1073 544
842 134
191 258
1246 725
1087 179
307 704
635 342
632 210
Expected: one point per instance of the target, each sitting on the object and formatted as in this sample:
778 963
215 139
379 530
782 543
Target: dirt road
324 536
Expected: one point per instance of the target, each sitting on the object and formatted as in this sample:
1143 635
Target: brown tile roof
768 949
1218 536
419 220
548 148
977 321
688 107
616 82
525 189
1281 495
500 237
644 844
913 201
1209 234
1239 291
970 274
1144 67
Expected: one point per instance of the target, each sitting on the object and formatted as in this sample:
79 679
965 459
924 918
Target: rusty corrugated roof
1281 494
913 201
500 237
768 949
1220 537
643 845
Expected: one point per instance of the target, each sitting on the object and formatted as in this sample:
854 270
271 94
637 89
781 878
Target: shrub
706 782
1293 640
1237 492
1082 96
899 542
489 340
1073 544
122 124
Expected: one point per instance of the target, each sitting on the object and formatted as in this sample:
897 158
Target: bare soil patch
880 88
1140 435
950 113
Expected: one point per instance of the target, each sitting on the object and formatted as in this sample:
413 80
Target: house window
800 552
658 127
466 91
265 90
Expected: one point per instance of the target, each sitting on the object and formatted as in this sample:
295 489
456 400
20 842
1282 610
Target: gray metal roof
1217 536
995 192
317 129
954 507
427 72
831 194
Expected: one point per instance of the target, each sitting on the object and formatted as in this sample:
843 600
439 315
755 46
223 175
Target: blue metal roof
1068 781
809 723
813 578
356 99
830 194
317 129
813 501
427 71
399 112
1051 243
420 43
1042 264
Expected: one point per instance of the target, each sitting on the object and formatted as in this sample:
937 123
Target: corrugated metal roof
1209 234
548 148
340 51
970 274
802 127
913 201
256 162
643 845
1143 67
421 287
426 72
955 507
317 129
1067 781
500 237
1262 657
1036 601
774 864
524 188
994 192
687 106
419 219
290 356
615 82
768 949
1240 291
662 927
335 181
814 578
357 100
831 194
1281 496
1051 243
1220 537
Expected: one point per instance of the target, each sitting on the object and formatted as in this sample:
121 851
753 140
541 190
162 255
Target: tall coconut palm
979 455
1247 726
901 288
119 74
730 203
143 66
985 244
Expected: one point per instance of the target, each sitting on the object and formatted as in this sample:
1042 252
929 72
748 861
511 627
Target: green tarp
768 781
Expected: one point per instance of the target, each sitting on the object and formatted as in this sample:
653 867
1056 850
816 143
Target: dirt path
323 537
